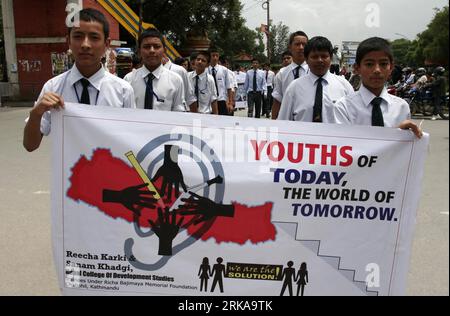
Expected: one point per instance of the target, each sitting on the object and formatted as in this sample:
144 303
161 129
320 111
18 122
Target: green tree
402 49
220 19
432 44
279 40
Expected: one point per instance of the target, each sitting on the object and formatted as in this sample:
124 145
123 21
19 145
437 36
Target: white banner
270 208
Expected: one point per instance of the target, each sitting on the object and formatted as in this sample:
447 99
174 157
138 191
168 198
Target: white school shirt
356 109
182 72
105 89
223 81
261 85
298 103
270 78
240 77
233 79
284 78
207 91
167 86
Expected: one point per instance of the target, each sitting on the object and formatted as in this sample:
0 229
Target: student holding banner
372 105
86 82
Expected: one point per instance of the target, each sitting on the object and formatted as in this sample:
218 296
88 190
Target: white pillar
9 32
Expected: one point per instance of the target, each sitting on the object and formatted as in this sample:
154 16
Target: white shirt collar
304 66
168 65
202 75
325 77
157 73
94 80
368 96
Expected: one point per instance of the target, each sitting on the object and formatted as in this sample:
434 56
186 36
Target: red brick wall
40 18
35 67
37 18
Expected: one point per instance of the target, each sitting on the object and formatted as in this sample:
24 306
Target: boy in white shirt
312 97
156 87
87 82
372 105
204 87
295 70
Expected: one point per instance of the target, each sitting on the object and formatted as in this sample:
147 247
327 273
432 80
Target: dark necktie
85 94
255 87
377 115
149 92
297 72
197 78
267 75
318 102
214 74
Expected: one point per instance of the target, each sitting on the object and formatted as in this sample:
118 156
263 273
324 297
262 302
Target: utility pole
266 6
141 17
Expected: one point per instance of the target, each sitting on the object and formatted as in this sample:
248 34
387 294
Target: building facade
35 42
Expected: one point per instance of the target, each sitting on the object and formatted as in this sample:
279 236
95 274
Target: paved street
26 263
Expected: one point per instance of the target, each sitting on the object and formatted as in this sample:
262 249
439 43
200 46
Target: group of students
305 90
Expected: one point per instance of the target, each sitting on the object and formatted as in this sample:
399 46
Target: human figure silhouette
302 278
288 276
218 271
204 272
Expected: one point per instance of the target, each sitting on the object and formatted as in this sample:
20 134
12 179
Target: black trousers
254 101
268 102
222 105
437 105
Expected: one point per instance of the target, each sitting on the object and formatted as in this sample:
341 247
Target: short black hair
203 53
93 15
286 53
194 56
373 44
214 49
151 32
294 35
319 43
179 61
136 60
255 59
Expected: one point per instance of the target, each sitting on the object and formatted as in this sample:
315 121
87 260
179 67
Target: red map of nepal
90 177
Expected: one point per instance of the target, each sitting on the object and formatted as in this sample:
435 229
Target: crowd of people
425 83
303 90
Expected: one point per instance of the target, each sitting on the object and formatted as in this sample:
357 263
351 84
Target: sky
347 20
